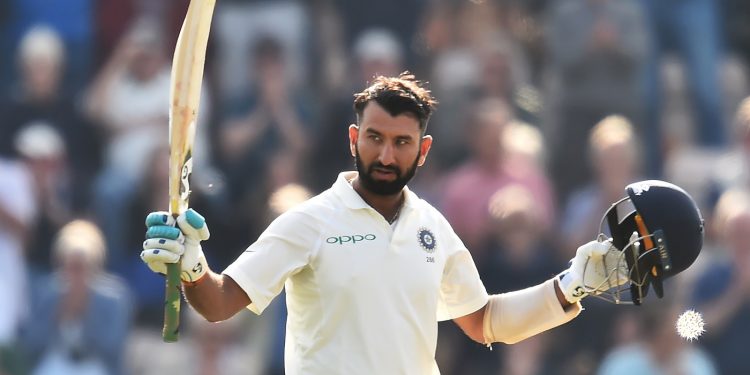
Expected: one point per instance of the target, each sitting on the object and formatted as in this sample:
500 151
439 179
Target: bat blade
187 76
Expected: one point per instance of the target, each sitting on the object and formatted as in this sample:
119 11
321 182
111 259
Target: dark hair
398 95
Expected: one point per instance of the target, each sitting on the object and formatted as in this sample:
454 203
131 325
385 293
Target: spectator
41 59
80 320
657 349
613 154
130 100
471 55
45 155
238 27
722 292
515 256
594 46
263 124
262 142
397 16
468 189
492 67
505 75
72 21
692 29
706 174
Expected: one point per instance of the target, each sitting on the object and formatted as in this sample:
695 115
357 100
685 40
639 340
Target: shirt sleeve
461 290
282 250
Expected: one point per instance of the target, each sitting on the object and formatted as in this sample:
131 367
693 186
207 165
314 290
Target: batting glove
166 243
596 268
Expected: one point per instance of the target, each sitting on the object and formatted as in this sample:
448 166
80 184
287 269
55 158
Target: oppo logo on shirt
353 239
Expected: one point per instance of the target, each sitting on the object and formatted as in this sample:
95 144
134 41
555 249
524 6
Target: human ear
353 137
424 149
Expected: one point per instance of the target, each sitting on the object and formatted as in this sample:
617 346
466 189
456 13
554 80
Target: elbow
476 333
215 316
473 326
213 319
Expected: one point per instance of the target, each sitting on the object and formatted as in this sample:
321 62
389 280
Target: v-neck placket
353 200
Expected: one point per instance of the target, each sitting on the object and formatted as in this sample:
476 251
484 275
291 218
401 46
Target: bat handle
171 330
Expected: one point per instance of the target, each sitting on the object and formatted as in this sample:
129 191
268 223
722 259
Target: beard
380 187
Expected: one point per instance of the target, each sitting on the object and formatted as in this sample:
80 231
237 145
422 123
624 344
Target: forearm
216 297
99 92
515 316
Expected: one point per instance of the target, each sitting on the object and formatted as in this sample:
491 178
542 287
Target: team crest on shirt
426 239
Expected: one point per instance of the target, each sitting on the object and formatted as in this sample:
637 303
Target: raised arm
99 92
515 316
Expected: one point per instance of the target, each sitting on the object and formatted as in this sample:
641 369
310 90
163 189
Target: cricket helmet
659 231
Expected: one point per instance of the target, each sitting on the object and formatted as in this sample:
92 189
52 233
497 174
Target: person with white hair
81 317
73 22
41 58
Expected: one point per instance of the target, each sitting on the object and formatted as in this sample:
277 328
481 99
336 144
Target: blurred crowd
547 110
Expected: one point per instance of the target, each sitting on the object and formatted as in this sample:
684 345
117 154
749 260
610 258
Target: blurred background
547 110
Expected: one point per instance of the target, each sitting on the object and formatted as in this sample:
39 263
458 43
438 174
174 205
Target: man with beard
369 268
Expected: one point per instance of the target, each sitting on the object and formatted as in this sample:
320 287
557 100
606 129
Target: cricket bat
187 76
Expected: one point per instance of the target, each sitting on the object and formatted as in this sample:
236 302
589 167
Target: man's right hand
167 243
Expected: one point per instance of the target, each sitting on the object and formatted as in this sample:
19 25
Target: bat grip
171 330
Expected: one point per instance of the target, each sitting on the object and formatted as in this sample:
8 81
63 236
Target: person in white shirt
369 268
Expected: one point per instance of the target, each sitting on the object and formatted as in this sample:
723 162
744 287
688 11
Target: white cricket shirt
363 297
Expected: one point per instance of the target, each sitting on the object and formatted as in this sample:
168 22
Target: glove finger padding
165 232
157 259
159 218
173 246
193 225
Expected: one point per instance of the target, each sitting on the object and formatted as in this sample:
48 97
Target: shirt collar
345 191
